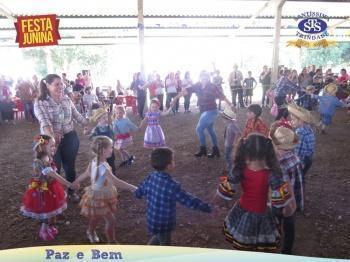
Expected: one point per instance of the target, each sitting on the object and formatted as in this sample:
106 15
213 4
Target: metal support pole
140 26
276 40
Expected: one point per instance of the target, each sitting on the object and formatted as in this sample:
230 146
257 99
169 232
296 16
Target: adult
89 99
170 88
312 71
265 80
56 113
186 83
138 85
159 91
342 79
304 79
25 92
284 87
65 81
207 94
317 81
217 80
178 89
235 80
80 80
329 77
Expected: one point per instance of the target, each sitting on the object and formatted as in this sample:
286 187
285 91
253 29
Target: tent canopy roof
113 21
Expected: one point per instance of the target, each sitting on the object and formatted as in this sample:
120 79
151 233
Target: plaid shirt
284 87
58 116
162 193
292 171
306 145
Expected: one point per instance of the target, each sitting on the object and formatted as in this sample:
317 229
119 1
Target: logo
41 30
312 31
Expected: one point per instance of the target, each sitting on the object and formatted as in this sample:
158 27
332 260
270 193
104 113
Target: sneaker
46 234
53 229
92 237
96 238
74 197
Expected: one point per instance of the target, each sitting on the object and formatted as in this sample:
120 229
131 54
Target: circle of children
269 165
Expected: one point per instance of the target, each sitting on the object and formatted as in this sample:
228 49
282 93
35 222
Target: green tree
38 55
337 55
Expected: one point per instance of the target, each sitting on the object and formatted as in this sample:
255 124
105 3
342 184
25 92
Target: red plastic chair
131 102
19 108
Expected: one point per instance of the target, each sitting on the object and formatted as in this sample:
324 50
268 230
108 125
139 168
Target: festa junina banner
128 253
39 30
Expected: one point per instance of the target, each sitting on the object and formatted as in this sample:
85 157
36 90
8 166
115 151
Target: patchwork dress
250 224
154 136
45 197
99 199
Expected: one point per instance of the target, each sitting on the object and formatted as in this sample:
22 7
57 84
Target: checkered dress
248 230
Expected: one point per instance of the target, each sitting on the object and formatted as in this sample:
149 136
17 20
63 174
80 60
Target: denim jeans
237 90
160 98
307 165
169 97
228 157
28 110
187 101
66 154
141 101
264 98
161 239
206 121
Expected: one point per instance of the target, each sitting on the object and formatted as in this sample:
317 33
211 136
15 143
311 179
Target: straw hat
283 138
97 114
310 89
331 89
228 114
301 113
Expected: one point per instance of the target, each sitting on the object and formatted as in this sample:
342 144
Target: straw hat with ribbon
283 137
228 114
97 114
331 89
301 113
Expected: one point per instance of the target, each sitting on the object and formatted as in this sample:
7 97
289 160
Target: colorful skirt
44 200
250 231
100 202
122 143
326 119
154 137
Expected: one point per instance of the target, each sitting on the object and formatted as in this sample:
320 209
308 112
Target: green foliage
336 55
93 58
37 55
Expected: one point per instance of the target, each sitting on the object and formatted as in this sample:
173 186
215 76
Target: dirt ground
324 230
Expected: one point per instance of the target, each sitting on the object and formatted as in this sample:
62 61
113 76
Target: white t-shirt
170 86
90 99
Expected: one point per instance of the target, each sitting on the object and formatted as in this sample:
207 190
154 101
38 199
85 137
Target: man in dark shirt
207 94
265 80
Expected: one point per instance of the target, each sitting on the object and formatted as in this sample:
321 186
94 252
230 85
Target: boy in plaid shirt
301 121
162 193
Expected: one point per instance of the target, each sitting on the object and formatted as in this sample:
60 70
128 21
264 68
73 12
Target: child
45 197
285 139
328 105
249 84
306 100
301 121
100 199
162 193
254 123
6 109
154 136
122 127
103 128
231 133
250 224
